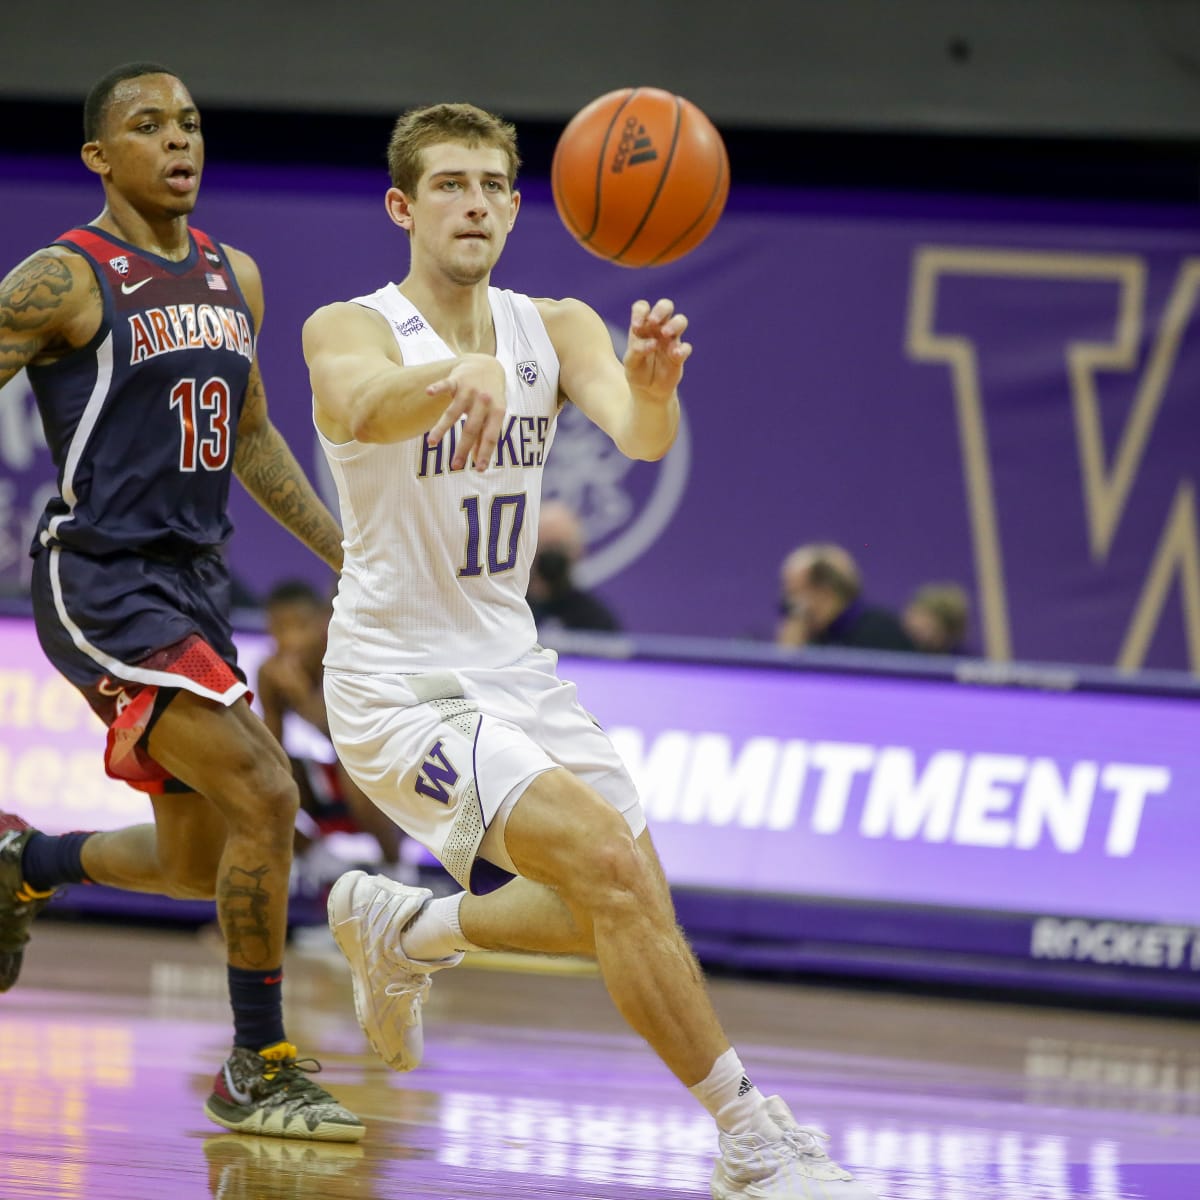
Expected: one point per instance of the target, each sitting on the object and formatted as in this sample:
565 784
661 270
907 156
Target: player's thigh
574 739
563 833
227 755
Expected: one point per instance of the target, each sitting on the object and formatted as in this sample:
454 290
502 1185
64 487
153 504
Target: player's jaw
172 188
471 254
170 192
159 182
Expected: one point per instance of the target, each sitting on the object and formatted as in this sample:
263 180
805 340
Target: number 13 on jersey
210 448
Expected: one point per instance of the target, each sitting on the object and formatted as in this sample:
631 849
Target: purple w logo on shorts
436 775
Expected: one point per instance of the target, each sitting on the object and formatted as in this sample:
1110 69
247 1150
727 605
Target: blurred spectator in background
821 604
289 681
557 602
936 618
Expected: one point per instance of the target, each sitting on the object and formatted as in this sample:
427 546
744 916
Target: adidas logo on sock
745 1086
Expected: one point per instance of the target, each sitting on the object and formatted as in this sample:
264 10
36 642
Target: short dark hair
295 591
96 105
463 123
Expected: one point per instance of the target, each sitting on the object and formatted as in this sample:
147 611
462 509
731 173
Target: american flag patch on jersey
216 282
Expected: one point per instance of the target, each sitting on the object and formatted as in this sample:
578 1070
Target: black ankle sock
51 861
257 1000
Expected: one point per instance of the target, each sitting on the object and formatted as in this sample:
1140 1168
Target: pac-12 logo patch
528 371
120 264
212 256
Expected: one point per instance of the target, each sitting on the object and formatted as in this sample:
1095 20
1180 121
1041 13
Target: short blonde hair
462 123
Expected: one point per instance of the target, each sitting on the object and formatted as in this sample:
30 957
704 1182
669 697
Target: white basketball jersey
437 561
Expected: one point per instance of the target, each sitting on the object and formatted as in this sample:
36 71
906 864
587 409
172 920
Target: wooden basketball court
533 1088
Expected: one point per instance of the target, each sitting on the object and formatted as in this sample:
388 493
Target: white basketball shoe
792 1167
367 914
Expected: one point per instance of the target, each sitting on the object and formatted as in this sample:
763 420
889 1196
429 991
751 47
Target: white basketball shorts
447 754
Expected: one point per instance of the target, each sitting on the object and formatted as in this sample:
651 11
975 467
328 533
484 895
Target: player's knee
621 868
609 871
277 802
263 799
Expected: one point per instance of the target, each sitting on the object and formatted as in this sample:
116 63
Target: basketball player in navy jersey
435 400
138 337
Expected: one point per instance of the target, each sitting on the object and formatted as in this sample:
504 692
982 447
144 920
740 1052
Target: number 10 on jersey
505 517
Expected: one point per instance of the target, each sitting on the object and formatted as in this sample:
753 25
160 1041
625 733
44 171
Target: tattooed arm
49 304
270 473
263 462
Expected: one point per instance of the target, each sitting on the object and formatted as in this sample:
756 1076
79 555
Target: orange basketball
640 177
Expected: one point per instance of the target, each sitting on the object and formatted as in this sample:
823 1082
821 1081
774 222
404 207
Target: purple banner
909 791
769 781
993 394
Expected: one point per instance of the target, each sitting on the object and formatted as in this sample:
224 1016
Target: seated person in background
821 604
557 602
936 618
290 681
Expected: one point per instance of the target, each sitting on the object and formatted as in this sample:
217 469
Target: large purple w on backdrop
970 392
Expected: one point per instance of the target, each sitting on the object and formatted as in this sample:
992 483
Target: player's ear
93 157
516 204
399 208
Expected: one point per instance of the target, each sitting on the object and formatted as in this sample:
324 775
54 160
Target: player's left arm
636 402
263 461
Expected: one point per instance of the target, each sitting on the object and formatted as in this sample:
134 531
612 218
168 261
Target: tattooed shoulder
38 299
35 291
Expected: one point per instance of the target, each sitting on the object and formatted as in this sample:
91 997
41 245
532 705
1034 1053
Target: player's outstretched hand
656 351
475 386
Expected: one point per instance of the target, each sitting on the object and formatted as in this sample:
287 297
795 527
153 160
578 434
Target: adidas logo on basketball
635 147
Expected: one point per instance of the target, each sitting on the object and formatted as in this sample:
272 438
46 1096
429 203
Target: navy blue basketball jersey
141 422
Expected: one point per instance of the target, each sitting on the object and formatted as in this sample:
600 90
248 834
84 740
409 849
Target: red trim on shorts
193 658
123 757
131 711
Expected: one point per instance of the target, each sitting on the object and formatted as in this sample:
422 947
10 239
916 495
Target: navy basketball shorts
130 632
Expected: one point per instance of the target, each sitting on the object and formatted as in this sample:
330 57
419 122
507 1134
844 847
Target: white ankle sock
435 931
736 1104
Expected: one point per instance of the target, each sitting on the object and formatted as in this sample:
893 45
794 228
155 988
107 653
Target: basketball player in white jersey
435 400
